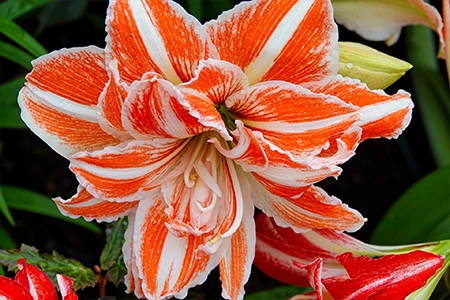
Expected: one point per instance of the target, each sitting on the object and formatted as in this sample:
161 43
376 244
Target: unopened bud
376 69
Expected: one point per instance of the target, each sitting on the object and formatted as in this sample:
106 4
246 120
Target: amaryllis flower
339 266
31 283
185 127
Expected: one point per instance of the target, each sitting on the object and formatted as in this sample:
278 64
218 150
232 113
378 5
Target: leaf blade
427 201
21 37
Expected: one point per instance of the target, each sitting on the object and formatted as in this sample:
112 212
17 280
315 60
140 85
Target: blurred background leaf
21 37
12 9
10 112
421 214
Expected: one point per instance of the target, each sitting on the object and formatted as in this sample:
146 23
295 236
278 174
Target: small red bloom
32 284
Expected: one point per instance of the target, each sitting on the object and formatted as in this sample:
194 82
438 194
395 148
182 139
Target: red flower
32 284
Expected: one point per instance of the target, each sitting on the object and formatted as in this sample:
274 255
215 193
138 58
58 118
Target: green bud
376 69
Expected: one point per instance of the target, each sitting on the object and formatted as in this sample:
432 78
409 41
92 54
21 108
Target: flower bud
376 69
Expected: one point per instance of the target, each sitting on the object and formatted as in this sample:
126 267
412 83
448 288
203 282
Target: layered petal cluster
339 266
185 127
31 283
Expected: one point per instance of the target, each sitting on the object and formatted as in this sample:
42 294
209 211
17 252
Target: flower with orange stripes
185 127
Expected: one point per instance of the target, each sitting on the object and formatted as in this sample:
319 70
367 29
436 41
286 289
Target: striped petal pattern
64 115
293 41
185 128
139 29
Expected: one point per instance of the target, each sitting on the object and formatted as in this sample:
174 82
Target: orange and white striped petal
289 40
83 204
59 100
155 36
280 172
126 172
168 265
131 280
248 153
110 104
154 108
382 115
291 117
216 80
314 209
235 266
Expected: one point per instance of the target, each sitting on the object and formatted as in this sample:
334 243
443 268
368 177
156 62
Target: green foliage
25 200
421 214
61 11
12 9
50 264
16 55
5 211
111 259
282 292
21 37
10 112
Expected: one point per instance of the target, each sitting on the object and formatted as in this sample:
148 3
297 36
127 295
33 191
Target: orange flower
185 127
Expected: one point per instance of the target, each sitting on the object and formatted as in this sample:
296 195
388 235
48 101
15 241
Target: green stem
430 91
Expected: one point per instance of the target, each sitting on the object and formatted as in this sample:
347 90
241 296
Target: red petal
382 115
65 286
388 277
294 41
37 283
314 270
155 35
275 253
12 290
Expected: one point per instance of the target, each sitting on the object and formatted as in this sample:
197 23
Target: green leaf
111 258
50 264
61 11
16 55
282 292
421 214
430 92
21 37
6 241
10 112
5 210
195 8
12 9
26 200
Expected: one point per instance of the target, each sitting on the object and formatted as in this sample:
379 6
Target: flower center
227 117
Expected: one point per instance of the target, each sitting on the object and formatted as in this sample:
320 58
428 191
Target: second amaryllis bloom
341 267
185 127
